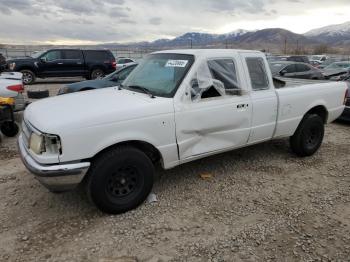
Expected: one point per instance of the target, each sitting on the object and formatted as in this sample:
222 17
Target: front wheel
308 137
120 179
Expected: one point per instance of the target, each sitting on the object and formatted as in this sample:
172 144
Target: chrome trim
54 177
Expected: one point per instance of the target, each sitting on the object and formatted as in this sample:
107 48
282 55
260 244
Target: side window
128 61
96 55
224 70
257 72
302 68
53 55
290 69
72 54
121 61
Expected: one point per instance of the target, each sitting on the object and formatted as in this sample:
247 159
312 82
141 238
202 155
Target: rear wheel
97 73
120 179
308 137
28 77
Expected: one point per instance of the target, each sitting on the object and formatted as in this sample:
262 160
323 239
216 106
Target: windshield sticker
176 63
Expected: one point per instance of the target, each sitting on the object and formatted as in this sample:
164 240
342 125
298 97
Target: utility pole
285 46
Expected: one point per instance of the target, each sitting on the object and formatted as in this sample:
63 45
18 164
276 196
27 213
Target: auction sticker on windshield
176 63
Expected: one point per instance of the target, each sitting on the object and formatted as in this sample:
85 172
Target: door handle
60 63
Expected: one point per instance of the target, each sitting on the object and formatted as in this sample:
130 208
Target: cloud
155 20
28 21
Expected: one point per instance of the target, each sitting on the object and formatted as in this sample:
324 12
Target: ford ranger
175 107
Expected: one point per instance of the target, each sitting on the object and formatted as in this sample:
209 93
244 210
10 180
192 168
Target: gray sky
98 21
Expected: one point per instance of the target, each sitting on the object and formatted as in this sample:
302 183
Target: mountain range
335 36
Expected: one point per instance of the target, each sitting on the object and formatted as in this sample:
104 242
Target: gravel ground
255 204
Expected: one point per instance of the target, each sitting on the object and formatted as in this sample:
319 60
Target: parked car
113 79
299 58
327 63
2 63
318 58
315 63
336 69
175 107
123 61
346 114
295 70
91 64
11 86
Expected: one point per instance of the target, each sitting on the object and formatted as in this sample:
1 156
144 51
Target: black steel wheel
9 128
120 179
308 137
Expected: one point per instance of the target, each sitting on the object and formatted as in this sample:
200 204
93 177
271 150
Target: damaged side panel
216 114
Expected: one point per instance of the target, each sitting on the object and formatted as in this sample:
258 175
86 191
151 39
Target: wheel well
26 68
151 151
96 67
320 111
86 89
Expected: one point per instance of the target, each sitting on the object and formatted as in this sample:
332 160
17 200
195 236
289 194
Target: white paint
89 122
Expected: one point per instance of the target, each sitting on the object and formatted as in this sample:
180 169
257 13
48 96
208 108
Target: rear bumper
54 177
346 114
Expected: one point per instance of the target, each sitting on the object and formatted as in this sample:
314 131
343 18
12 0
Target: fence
121 52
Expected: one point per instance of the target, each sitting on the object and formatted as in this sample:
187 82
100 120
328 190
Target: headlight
36 143
45 143
12 66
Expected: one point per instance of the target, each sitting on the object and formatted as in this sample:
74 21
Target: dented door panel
213 125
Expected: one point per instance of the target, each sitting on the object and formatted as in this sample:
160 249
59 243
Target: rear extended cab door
213 109
263 96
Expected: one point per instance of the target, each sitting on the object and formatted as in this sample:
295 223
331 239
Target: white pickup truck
175 107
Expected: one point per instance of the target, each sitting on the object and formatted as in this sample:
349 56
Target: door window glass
302 68
72 54
53 55
257 72
290 69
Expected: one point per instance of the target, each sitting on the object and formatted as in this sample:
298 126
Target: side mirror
43 59
283 72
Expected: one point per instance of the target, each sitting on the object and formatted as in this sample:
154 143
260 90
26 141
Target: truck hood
22 59
98 83
93 108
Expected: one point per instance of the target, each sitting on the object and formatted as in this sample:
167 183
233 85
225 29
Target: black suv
90 64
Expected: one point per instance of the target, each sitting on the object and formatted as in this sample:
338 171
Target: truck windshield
160 74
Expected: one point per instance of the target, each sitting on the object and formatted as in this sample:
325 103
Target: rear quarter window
98 56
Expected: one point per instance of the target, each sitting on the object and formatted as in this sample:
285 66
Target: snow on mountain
337 35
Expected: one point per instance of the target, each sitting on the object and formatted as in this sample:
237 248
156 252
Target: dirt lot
257 204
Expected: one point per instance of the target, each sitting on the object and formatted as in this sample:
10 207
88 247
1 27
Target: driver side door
218 118
51 64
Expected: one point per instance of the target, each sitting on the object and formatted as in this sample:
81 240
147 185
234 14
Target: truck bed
282 82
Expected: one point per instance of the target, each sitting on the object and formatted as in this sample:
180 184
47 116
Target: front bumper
346 114
56 178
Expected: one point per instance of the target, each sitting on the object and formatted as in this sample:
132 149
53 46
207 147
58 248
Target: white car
175 107
123 62
11 86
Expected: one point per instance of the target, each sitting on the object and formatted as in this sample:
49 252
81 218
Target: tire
308 137
9 129
97 73
120 179
28 77
38 94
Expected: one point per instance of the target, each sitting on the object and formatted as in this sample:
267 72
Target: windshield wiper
143 89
